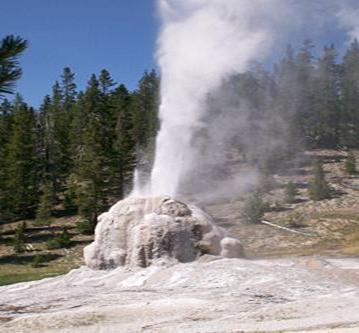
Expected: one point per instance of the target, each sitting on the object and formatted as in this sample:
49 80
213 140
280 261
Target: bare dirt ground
327 227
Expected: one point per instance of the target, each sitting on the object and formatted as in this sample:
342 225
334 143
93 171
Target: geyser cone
137 232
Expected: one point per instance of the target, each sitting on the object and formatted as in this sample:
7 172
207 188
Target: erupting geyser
202 43
139 232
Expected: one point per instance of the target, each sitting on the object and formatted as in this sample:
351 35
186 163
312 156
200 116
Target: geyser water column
200 44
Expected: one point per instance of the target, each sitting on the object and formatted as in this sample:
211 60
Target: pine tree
328 124
105 82
145 104
43 214
254 209
350 164
91 165
305 85
69 99
63 240
350 96
11 48
5 132
20 238
68 87
290 193
45 142
36 261
59 147
319 189
286 101
124 145
21 163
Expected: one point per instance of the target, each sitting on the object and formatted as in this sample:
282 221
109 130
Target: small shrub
295 221
61 241
254 209
20 238
40 260
65 238
276 207
36 261
290 193
53 244
85 227
43 214
319 189
70 197
350 164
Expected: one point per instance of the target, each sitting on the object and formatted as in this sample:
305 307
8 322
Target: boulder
136 232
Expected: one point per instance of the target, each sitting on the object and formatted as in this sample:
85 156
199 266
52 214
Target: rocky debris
139 231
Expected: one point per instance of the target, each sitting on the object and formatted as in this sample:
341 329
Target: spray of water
201 44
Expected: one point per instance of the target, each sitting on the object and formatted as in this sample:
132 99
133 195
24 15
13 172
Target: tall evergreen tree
91 166
305 113
68 87
106 82
350 96
55 116
124 145
286 100
145 103
5 132
328 94
11 47
319 189
21 163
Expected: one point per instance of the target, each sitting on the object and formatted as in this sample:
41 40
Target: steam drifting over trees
78 151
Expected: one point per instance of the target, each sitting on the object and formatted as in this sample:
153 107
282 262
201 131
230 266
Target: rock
231 248
137 232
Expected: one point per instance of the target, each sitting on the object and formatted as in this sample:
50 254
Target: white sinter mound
179 290
138 231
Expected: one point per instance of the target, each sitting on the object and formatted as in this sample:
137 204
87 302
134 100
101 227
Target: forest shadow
224 222
334 193
63 213
332 159
39 238
16 259
80 242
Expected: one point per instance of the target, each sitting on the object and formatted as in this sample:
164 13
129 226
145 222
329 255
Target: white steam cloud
348 16
201 44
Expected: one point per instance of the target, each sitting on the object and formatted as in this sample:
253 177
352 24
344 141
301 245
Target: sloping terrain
18 267
329 227
304 278
212 295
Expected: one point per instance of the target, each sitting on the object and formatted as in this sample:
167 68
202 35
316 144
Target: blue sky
86 35
89 35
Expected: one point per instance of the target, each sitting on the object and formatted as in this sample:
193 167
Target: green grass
40 263
21 268
10 274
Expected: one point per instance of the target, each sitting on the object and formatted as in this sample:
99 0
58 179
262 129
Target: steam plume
201 44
